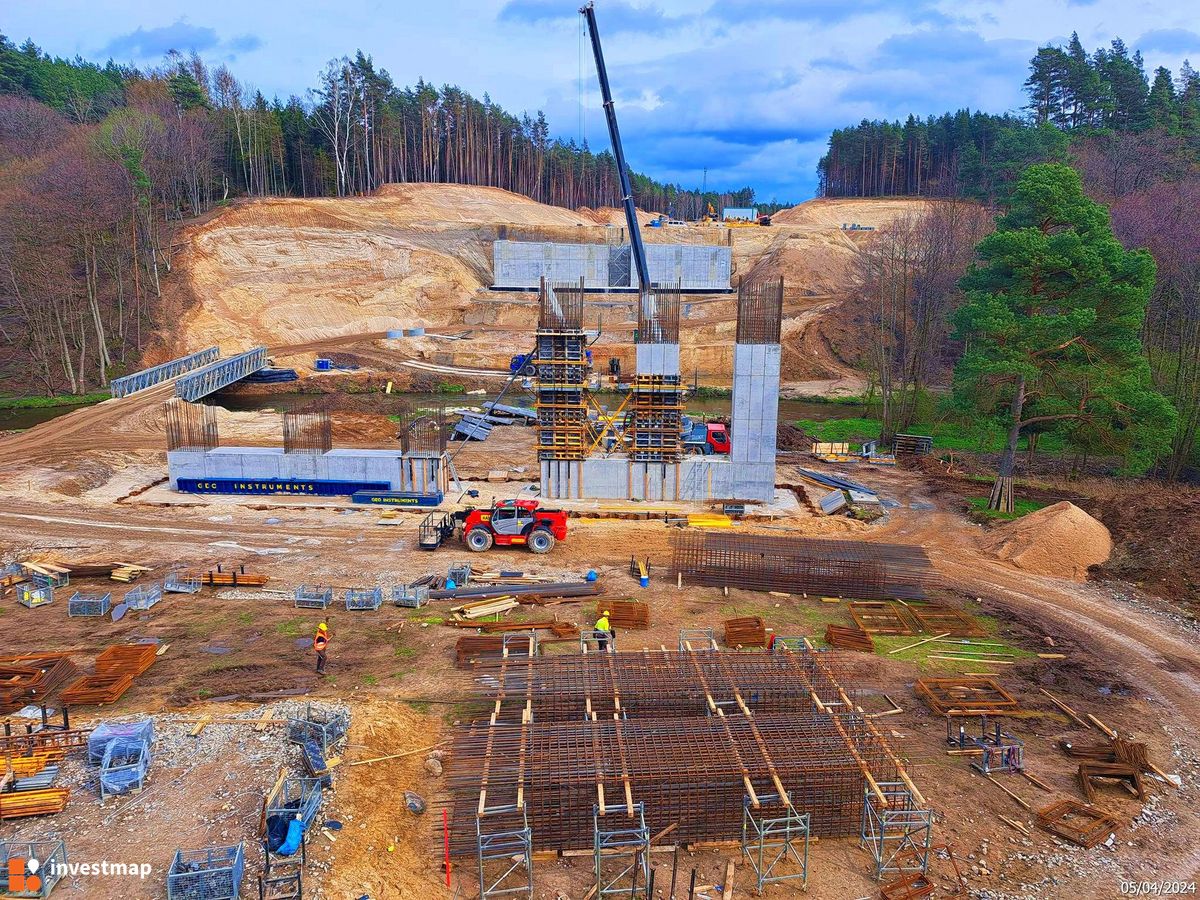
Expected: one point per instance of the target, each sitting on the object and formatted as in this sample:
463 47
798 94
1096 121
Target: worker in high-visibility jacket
321 646
603 632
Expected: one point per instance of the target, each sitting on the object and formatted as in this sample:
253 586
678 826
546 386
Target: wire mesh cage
295 797
144 596
325 727
364 598
182 583
313 596
50 858
124 766
214 873
32 595
81 604
410 596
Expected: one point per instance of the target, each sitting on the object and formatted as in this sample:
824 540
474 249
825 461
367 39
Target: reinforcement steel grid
802 565
668 730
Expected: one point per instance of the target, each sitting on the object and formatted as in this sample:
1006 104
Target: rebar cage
307 430
658 315
191 426
759 311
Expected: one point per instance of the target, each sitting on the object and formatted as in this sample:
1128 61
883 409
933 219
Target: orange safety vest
320 642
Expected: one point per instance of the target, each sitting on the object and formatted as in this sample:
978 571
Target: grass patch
404 652
978 507
428 620
245 618
47 402
448 387
947 434
370 680
204 693
420 706
920 655
290 628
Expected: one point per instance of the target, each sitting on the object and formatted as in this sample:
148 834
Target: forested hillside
98 161
1135 143
1078 105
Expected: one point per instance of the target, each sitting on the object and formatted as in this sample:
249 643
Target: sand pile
1060 540
833 212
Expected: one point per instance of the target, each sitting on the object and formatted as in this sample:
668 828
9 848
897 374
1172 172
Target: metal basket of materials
144 596
105 733
214 873
459 573
123 767
82 604
295 796
33 595
313 596
50 579
182 583
325 727
411 596
364 598
50 858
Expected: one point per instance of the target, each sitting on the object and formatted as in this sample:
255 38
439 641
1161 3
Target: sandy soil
1130 660
286 272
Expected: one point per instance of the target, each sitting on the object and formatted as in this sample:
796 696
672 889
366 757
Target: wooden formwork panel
1077 822
879 617
939 620
969 695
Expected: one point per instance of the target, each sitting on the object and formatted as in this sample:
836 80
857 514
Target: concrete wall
696 478
420 473
658 359
755 419
522 264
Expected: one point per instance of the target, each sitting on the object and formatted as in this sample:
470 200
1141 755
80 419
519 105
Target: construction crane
614 134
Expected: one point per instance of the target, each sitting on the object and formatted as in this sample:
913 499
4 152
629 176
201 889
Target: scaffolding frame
769 842
621 852
899 834
688 636
563 430
504 853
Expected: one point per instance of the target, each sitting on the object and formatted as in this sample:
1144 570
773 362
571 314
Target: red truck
707 438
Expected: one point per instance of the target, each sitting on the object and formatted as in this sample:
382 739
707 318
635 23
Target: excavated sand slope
1060 540
291 271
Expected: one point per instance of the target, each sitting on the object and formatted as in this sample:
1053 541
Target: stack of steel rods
801 565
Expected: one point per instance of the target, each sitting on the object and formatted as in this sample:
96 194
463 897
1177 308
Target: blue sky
747 88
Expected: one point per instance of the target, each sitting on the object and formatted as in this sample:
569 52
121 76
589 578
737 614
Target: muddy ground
82 489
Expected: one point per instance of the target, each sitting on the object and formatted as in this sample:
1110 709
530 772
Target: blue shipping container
397 498
308 487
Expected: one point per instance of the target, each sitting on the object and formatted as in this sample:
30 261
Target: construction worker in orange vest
321 646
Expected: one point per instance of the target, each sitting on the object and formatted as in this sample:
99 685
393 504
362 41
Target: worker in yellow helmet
321 646
603 631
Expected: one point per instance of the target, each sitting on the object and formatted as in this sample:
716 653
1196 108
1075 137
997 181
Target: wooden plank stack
849 638
127 572
19 804
238 577
625 613
746 631
480 608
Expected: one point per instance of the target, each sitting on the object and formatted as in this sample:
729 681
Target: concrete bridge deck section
147 378
220 374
